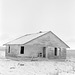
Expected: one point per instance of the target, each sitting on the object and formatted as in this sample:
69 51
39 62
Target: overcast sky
19 17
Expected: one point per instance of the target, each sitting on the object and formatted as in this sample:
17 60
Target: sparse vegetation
9 67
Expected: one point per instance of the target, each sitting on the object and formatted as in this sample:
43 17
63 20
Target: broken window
22 50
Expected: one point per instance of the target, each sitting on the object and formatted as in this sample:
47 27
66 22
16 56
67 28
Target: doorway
55 51
44 52
9 50
22 50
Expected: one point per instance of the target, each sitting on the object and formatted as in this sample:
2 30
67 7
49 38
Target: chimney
40 32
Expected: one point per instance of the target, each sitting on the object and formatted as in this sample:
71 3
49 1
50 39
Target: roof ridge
38 36
27 35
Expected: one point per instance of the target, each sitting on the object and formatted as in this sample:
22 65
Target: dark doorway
55 51
44 52
22 50
9 50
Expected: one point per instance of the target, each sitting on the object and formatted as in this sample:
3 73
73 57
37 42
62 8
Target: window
22 50
9 49
55 53
44 52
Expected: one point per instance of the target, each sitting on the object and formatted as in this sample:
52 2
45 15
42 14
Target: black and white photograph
37 37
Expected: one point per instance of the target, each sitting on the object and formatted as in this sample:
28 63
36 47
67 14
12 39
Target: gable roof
26 38
29 37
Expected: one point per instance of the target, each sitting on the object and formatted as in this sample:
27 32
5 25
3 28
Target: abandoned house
42 45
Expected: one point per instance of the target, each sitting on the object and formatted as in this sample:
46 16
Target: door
44 52
55 51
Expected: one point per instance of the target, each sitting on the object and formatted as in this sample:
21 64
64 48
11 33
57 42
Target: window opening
9 50
44 52
22 50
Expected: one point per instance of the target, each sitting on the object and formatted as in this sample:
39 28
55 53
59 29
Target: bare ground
11 67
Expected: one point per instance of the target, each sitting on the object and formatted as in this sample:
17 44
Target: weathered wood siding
47 40
31 51
32 48
61 55
14 51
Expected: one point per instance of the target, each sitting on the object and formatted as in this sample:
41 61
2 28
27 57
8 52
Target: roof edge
60 39
37 37
23 36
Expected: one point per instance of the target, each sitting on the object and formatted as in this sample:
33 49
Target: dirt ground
11 67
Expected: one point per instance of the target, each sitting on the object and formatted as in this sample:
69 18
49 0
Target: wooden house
42 45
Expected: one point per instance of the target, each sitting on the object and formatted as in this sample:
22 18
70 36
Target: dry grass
11 67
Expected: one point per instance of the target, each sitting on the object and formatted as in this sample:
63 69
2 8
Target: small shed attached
42 45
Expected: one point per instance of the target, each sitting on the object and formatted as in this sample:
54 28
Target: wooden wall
50 53
48 39
31 51
14 51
